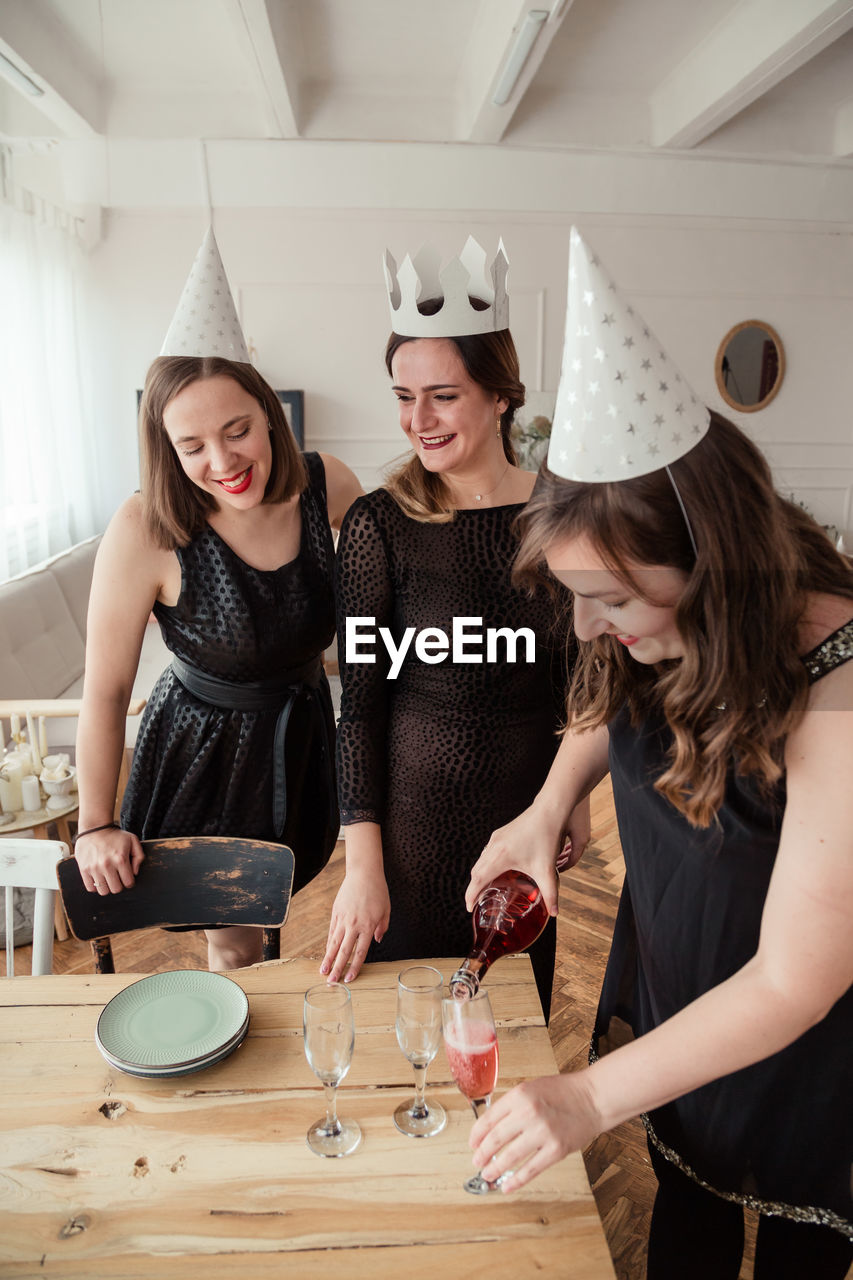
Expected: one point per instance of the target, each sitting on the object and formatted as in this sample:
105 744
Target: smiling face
220 436
449 419
604 605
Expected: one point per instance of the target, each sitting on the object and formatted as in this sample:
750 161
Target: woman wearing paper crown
432 750
229 543
715 683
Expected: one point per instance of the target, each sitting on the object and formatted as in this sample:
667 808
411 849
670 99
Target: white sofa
43 637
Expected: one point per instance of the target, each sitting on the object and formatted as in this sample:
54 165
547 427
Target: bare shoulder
128 553
832 690
342 488
129 523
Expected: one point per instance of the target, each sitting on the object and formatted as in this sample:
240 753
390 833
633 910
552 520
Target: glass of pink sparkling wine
471 1045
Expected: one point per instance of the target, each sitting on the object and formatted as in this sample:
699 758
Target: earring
499 427
269 425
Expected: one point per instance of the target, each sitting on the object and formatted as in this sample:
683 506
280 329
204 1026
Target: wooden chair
190 880
31 864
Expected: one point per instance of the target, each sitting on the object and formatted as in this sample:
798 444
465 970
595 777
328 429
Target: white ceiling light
527 36
16 77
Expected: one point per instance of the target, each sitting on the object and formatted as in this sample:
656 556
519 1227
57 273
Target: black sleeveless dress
201 769
446 752
776 1136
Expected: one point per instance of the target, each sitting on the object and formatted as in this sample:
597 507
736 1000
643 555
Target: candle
11 774
43 735
30 794
16 727
34 746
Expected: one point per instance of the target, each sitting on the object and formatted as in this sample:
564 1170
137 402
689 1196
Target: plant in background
831 530
531 440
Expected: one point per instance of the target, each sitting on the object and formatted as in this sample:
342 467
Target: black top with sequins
205 770
776 1136
447 751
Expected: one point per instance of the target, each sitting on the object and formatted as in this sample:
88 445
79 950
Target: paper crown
622 409
205 323
420 280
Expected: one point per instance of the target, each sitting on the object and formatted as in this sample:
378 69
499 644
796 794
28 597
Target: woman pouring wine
715 683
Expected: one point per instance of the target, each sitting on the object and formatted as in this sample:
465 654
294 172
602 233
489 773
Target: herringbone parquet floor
617 1162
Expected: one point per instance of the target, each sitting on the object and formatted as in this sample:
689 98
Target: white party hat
465 277
205 323
622 409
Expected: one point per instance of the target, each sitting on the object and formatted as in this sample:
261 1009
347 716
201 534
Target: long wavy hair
175 508
491 360
741 686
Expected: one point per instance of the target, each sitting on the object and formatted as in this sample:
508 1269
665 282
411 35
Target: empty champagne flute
329 1032
418 1035
471 1044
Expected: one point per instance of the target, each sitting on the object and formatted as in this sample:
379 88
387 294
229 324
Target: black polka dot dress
446 751
200 769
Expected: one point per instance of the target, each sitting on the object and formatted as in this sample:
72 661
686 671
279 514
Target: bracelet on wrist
106 826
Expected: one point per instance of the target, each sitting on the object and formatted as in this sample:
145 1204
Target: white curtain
47 468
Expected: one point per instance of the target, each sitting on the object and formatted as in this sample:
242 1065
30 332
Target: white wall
310 292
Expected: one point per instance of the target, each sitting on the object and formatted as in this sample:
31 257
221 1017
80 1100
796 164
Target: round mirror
750 365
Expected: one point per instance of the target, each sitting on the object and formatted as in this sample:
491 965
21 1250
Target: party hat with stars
205 323
623 409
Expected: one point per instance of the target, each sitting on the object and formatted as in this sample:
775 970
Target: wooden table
106 1175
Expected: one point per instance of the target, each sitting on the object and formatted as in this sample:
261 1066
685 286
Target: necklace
480 496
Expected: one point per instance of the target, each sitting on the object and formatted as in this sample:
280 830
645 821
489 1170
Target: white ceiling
769 79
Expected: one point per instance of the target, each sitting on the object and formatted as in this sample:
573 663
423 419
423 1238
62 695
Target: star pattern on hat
205 322
623 409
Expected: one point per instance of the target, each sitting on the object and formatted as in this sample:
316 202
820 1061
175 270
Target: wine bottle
508 916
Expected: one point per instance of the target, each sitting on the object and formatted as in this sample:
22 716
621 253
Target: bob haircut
741 686
489 359
175 508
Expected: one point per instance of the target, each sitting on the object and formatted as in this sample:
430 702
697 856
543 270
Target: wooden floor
617 1162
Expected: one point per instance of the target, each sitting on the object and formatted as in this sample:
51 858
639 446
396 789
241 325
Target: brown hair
491 360
174 507
741 686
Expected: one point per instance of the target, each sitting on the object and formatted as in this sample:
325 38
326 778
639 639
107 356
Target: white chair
31 864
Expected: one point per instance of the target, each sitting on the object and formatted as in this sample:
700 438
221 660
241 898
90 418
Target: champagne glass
418 1034
329 1033
471 1044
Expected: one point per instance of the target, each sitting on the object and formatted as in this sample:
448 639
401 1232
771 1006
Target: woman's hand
361 913
531 843
108 860
533 1126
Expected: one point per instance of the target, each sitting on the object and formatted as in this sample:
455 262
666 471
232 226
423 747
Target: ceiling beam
72 97
272 40
489 46
754 48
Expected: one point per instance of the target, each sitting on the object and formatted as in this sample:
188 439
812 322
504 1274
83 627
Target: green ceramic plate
163 1073
172 1019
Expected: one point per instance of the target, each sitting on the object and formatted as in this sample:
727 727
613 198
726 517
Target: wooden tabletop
106 1175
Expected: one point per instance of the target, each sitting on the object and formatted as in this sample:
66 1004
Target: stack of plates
171 1024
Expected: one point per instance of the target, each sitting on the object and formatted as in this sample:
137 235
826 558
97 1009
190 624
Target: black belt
265 695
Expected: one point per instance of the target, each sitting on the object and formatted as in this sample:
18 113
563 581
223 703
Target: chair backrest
186 880
31 864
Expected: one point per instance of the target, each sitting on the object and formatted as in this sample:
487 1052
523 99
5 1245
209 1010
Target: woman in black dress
433 751
715 684
229 543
